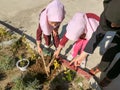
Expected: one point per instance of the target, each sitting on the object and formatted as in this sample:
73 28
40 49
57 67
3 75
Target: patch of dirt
9 76
38 65
59 78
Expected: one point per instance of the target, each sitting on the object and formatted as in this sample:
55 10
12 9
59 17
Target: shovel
46 68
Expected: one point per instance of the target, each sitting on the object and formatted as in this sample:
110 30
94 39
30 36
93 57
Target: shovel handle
51 62
42 56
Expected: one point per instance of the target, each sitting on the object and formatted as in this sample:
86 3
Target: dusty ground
22 16
58 77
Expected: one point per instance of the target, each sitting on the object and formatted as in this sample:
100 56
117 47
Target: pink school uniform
81 24
53 12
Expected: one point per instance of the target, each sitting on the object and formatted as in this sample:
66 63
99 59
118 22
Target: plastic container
23 64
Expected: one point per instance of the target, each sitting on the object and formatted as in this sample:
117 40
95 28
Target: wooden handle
42 56
51 62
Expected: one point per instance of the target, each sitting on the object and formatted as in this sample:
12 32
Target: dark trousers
108 57
56 40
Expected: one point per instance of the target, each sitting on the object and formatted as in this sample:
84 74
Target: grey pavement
23 16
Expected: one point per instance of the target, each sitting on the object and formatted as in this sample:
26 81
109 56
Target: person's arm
55 31
61 45
77 60
38 39
97 36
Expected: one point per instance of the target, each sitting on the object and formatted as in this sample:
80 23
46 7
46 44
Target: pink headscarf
92 22
80 24
54 12
75 27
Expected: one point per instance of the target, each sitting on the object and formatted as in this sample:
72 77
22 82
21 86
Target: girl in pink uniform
49 22
79 29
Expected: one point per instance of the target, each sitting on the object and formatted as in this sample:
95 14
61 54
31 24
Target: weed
2 75
28 82
79 79
23 63
33 85
69 75
19 84
7 63
56 64
5 35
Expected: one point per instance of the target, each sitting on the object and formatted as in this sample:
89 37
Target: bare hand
77 61
55 32
56 54
40 50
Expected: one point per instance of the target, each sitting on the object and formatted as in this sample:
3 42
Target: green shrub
33 85
19 84
5 35
7 63
26 83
